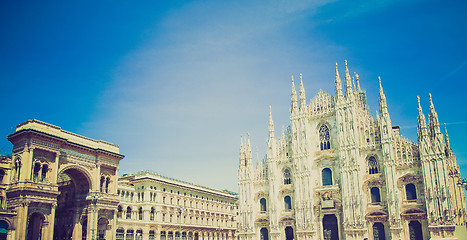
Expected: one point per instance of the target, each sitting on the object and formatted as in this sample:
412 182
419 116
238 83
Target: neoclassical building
339 173
157 207
60 185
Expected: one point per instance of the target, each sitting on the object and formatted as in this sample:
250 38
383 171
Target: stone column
51 227
22 220
112 227
26 164
54 170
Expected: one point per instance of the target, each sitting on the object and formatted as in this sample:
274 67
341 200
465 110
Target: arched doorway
288 233
74 186
330 227
415 230
35 224
3 230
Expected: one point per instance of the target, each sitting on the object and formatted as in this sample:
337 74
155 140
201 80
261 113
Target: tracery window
287 176
324 137
410 191
326 176
372 165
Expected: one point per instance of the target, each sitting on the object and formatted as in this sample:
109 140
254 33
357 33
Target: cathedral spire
302 95
294 98
433 119
338 83
434 128
448 145
271 124
383 107
348 81
422 131
242 153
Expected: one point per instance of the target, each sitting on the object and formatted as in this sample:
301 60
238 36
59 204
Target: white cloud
180 102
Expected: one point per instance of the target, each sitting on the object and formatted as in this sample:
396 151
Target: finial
300 77
418 99
431 100
346 63
358 81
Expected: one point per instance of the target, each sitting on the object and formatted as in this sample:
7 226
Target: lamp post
94 197
180 210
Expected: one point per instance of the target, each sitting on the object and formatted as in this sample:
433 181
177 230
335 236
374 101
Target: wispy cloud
179 103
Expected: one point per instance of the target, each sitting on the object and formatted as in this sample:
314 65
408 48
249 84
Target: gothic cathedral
338 173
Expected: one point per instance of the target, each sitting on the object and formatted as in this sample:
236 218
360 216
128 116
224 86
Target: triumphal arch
62 185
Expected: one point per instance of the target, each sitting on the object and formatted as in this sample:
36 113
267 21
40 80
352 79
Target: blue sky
175 83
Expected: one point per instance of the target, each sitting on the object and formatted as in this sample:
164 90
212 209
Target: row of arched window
410 193
326 175
214 205
415 231
287 204
138 215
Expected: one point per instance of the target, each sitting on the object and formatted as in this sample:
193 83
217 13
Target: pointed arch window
287 179
324 137
326 175
372 165
140 213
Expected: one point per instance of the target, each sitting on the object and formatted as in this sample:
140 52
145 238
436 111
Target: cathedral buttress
434 163
385 126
